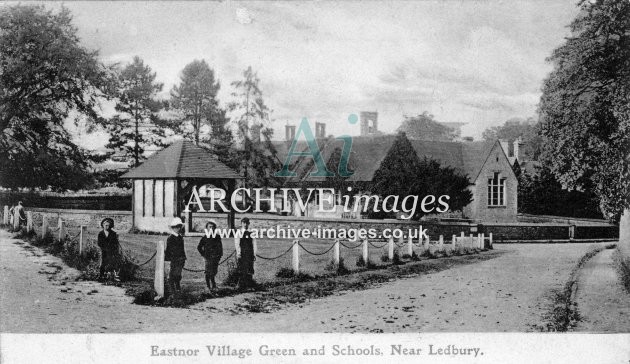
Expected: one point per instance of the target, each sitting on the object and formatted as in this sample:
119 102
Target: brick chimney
289 132
369 122
320 130
517 148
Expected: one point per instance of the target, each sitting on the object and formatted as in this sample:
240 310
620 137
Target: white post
16 220
453 242
390 249
237 246
336 253
441 242
463 242
81 237
5 215
255 244
472 241
366 255
483 240
490 240
159 269
44 226
420 236
478 245
410 246
29 221
61 233
296 257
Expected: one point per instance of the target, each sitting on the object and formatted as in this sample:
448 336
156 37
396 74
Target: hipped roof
180 160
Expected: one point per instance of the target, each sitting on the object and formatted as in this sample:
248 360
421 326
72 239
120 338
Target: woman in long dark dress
110 248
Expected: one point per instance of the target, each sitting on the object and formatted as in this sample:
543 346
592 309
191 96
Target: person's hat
110 220
175 222
245 220
212 222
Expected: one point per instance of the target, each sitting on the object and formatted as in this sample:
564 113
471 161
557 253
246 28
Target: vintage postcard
314 181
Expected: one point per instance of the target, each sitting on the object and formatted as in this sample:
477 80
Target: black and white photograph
315 181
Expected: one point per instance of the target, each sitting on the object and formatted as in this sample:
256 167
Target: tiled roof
367 154
182 159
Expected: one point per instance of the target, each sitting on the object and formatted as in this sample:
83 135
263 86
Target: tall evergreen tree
195 98
136 127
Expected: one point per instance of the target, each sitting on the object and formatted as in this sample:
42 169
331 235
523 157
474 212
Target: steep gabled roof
182 159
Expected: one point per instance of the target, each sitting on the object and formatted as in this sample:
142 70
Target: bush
385 258
360 261
233 275
397 260
289 273
339 269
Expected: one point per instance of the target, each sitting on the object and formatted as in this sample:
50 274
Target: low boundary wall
507 232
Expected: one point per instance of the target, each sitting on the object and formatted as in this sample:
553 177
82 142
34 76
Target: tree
45 75
403 173
252 118
584 109
540 193
249 104
195 98
425 127
525 129
136 127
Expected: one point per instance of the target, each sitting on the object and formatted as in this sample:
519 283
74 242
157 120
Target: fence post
61 234
366 255
410 246
16 220
296 257
159 269
441 242
336 253
44 226
463 242
29 221
483 240
472 241
5 215
237 245
255 244
453 242
390 249
490 240
81 236
571 232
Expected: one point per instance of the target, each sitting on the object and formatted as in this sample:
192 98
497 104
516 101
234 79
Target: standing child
107 240
247 257
211 248
175 254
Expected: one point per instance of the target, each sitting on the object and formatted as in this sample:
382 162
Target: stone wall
500 231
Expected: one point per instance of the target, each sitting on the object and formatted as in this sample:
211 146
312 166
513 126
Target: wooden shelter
162 185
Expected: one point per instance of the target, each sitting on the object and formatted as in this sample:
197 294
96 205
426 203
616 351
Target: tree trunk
624 233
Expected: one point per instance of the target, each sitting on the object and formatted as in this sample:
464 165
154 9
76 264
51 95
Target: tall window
496 190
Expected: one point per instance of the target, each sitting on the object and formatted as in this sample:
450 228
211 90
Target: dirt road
508 293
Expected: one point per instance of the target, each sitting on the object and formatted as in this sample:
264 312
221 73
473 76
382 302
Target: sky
477 62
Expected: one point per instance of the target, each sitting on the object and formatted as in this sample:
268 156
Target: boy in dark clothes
175 254
211 248
247 257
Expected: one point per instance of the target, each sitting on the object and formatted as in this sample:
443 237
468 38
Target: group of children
210 247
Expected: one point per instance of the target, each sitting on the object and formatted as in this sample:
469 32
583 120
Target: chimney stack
289 132
369 122
320 130
517 148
